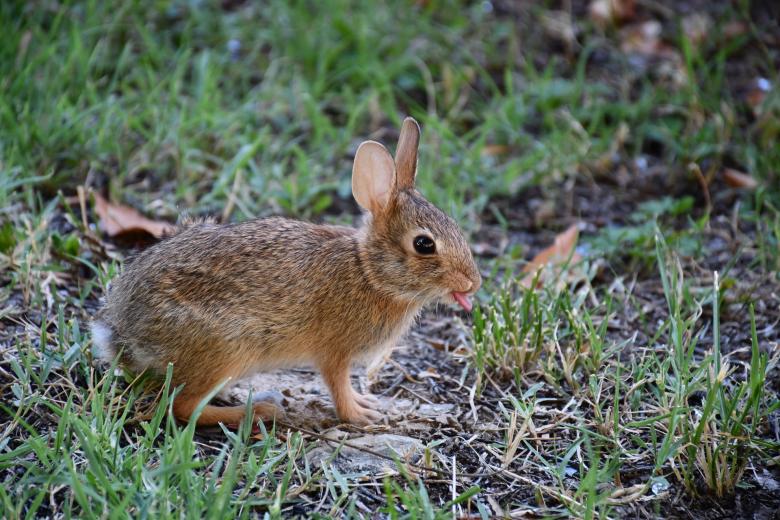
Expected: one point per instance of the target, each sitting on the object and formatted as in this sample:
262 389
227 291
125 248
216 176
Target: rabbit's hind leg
184 406
198 384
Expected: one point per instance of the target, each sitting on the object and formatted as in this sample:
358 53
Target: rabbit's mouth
463 300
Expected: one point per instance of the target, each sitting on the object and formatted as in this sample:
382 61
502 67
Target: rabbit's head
411 249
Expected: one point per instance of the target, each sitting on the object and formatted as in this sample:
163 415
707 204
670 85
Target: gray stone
353 460
436 409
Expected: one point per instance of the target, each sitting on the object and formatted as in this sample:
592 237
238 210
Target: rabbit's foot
367 400
351 406
357 414
266 411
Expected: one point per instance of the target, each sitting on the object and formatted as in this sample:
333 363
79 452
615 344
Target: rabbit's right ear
373 176
406 153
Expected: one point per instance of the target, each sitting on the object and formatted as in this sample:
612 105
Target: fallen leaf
494 149
558 254
607 12
117 220
738 179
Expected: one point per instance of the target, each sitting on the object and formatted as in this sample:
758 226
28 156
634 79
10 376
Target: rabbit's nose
473 285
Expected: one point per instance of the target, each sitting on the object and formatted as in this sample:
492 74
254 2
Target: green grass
640 376
646 409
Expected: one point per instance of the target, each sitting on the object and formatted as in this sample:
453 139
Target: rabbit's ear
373 176
406 153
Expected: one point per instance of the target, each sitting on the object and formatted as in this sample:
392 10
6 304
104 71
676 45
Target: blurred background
636 138
171 105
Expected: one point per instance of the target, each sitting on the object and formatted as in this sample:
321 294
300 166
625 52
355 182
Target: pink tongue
462 300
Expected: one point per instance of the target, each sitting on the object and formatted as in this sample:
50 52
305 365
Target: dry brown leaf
494 149
559 253
738 179
117 220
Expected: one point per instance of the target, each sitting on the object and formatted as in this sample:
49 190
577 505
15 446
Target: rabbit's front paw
367 400
355 413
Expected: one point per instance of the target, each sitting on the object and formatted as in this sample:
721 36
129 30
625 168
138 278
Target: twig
694 168
232 196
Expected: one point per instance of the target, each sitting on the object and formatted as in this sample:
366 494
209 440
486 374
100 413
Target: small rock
432 410
234 48
398 408
353 460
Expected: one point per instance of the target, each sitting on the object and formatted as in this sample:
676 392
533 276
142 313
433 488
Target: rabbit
222 302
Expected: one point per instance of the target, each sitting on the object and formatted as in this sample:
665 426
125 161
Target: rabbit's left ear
406 153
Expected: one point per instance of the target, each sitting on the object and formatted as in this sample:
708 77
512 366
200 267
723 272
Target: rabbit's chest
385 334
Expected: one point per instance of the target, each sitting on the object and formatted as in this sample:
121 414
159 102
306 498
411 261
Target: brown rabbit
222 302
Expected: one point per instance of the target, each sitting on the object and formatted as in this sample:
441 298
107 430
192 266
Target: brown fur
221 302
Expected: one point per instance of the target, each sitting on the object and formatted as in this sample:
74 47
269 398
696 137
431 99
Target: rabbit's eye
424 245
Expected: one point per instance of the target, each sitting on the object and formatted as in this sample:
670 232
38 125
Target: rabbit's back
255 285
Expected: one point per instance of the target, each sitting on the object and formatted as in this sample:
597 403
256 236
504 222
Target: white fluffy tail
101 341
